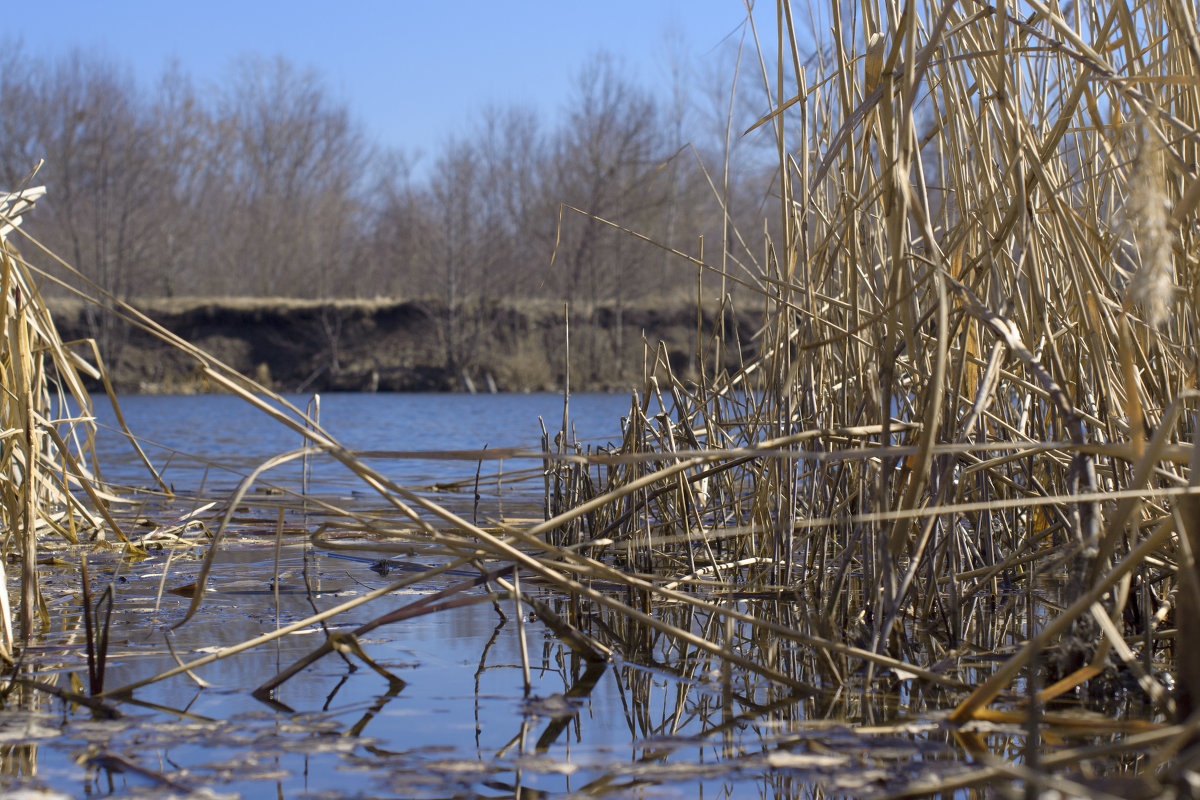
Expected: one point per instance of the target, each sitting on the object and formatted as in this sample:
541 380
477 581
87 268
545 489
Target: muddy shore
393 345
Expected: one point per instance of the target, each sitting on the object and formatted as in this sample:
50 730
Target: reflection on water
666 723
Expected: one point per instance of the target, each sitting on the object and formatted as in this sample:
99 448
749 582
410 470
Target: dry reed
46 446
970 427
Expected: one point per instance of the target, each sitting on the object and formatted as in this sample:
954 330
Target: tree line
266 185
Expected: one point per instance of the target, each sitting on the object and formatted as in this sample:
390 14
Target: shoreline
391 345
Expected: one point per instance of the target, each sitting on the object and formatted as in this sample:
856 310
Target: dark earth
399 346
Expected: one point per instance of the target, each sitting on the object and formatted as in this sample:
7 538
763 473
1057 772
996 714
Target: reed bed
49 485
971 426
963 459
978 365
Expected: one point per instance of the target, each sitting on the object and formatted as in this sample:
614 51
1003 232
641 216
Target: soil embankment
383 345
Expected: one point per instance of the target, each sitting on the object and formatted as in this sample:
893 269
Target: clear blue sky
412 72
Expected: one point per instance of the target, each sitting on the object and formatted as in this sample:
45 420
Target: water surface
210 441
664 720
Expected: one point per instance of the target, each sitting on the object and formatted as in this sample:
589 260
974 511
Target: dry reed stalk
951 397
1004 193
1187 599
46 447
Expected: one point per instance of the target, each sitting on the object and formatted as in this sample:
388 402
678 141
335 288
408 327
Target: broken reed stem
89 630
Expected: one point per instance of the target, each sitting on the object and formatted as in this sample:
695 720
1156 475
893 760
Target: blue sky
412 72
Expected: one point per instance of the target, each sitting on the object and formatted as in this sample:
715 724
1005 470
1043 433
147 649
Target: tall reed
46 448
970 424
977 369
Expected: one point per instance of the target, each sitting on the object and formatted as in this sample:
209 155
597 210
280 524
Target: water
663 720
460 724
209 442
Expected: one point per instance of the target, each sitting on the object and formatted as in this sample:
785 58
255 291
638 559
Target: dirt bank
385 345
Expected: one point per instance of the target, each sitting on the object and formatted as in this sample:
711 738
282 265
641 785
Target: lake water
208 442
661 725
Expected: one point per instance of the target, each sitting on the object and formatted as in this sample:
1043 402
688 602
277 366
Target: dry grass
48 480
971 427
978 367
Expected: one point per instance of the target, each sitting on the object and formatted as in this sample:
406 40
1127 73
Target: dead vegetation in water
964 458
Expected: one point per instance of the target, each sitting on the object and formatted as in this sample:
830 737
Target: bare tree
187 213
456 251
509 145
606 159
84 115
292 178
20 149
398 224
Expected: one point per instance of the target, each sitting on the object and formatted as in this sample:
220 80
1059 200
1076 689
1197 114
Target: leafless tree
20 149
606 160
398 223
291 181
84 115
264 185
509 146
187 212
